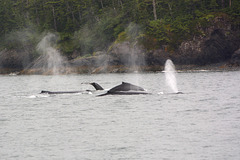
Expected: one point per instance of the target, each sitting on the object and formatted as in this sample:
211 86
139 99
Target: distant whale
60 92
122 89
125 89
95 85
179 93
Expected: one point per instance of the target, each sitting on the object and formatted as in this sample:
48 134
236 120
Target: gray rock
14 59
235 60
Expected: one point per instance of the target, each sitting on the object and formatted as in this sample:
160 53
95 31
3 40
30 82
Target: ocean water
202 123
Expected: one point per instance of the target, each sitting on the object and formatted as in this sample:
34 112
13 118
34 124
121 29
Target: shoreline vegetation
216 67
116 36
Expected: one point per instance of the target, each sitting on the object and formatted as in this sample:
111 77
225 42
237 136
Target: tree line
91 25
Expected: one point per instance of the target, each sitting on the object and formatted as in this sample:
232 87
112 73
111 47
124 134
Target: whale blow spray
54 59
170 75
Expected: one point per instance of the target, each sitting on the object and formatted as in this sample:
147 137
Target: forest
88 26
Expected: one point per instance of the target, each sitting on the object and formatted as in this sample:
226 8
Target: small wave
38 96
199 70
13 74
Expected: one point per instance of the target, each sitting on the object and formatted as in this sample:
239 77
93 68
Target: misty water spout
170 75
54 61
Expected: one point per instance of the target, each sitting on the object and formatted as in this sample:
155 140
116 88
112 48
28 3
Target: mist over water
170 75
18 47
51 54
50 61
136 57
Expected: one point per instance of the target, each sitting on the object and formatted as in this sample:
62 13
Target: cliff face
14 59
217 43
235 60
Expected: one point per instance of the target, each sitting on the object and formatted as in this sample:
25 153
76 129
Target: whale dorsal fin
96 86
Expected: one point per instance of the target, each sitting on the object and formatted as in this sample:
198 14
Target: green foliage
121 37
97 36
90 25
133 34
160 31
133 31
21 39
171 33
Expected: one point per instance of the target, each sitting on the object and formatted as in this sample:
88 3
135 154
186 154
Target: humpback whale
95 85
122 89
125 89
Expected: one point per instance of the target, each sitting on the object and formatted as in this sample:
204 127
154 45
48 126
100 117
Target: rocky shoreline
105 63
119 63
216 49
217 67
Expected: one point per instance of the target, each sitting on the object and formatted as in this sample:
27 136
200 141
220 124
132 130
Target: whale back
44 92
125 87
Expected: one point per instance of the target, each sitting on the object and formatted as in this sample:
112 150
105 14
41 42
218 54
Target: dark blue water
203 123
